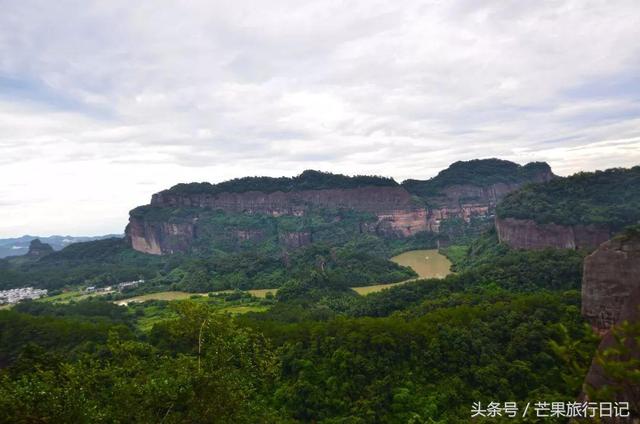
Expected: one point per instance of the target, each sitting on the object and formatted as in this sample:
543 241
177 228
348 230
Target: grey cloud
214 90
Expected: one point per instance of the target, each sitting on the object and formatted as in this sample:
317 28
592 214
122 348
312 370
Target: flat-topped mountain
580 211
473 188
293 212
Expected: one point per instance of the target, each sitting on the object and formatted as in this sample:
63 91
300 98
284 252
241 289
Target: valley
327 298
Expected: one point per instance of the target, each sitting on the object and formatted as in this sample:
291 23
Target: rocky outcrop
295 239
38 249
250 235
463 211
398 215
468 201
610 296
368 199
402 222
528 234
611 275
158 238
397 212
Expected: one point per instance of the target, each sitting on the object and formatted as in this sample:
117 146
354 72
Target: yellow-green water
426 263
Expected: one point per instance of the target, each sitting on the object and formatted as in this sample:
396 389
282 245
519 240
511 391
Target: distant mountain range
20 245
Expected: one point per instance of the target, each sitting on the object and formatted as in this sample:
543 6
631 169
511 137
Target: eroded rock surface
528 234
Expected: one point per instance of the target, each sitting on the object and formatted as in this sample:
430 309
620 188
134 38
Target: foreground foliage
506 329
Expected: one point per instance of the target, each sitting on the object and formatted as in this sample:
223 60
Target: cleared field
67 297
167 295
235 310
262 292
372 289
427 263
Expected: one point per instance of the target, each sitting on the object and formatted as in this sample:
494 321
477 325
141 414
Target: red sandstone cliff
610 296
528 234
611 275
469 200
397 212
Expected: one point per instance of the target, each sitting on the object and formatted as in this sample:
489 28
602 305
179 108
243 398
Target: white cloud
103 103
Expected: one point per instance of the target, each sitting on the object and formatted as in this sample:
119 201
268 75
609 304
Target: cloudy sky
103 103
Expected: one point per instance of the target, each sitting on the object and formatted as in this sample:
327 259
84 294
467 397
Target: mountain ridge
171 222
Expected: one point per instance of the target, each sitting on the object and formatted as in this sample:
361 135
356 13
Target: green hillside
608 198
478 172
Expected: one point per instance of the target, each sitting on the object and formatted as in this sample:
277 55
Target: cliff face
369 199
610 296
581 210
611 275
528 234
159 238
468 201
396 212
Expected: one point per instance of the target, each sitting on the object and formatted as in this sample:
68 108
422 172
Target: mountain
289 213
20 245
473 188
38 249
250 232
580 211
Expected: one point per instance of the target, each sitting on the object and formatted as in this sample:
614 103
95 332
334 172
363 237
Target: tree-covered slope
477 172
506 330
608 198
308 180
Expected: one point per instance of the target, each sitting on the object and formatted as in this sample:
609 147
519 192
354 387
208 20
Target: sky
103 103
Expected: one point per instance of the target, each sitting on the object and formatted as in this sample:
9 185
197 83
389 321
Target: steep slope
611 304
611 278
38 249
580 211
473 188
289 213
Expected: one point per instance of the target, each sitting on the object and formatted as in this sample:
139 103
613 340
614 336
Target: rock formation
397 214
528 234
611 275
610 296
579 211
396 210
38 249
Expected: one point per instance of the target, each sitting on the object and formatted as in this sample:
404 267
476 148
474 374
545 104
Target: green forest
422 350
608 198
219 260
308 180
477 172
504 326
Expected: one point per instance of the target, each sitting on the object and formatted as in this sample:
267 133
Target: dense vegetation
308 180
100 263
478 172
347 266
221 259
506 327
608 198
